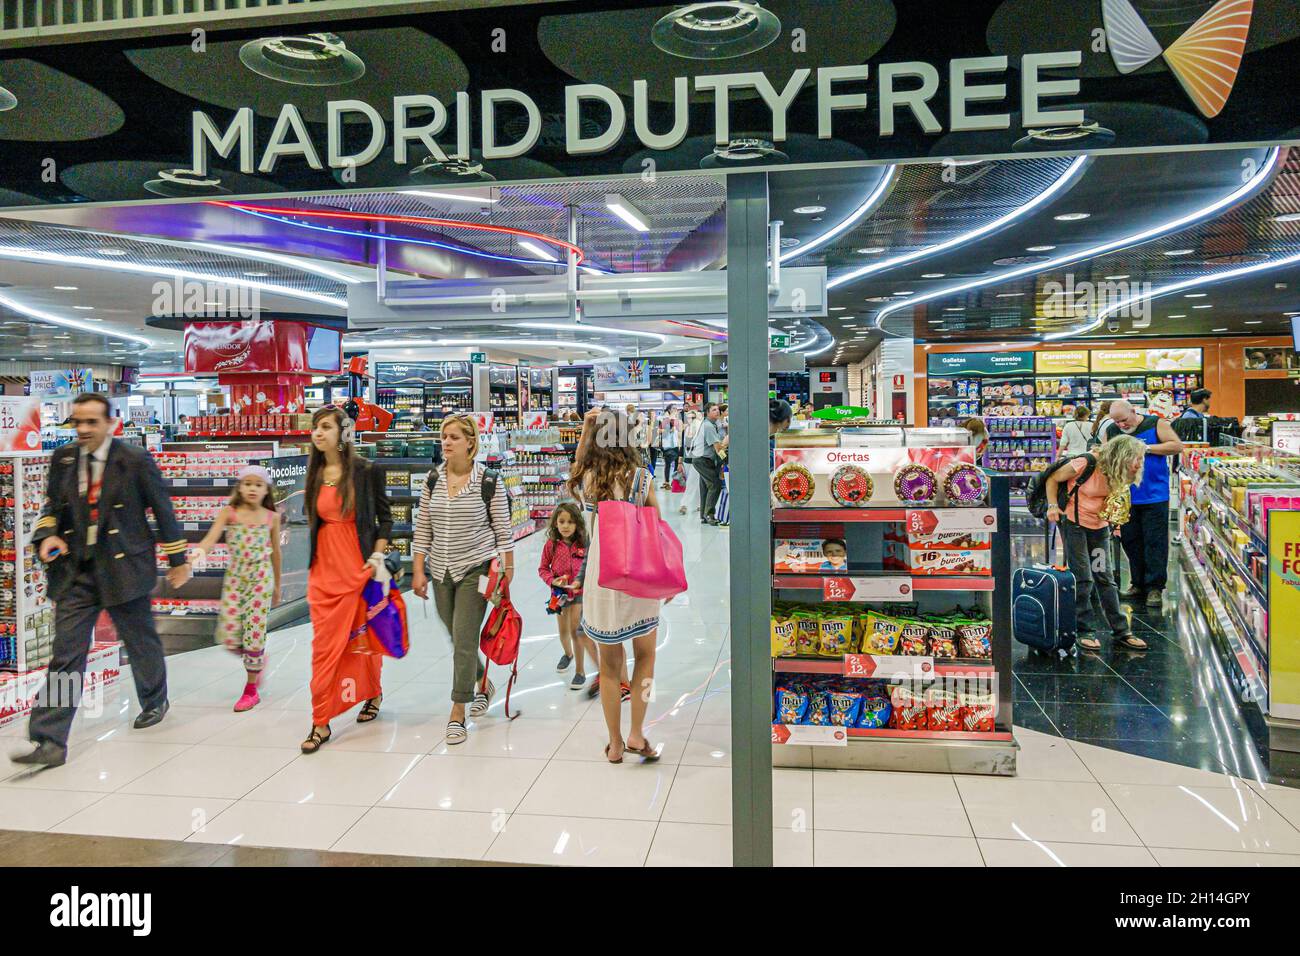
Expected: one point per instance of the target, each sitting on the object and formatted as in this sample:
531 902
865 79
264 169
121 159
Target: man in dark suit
99 551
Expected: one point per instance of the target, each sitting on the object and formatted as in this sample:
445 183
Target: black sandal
370 710
315 741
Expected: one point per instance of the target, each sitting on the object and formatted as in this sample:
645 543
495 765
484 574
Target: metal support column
751 516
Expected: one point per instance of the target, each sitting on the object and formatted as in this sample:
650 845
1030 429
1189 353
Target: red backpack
501 634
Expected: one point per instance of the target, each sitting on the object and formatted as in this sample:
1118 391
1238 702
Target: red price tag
859 665
780 733
921 522
837 589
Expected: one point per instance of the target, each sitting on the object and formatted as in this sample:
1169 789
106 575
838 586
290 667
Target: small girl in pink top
561 567
1080 509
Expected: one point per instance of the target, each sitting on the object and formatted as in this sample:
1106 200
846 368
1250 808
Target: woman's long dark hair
579 538
606 459
316 465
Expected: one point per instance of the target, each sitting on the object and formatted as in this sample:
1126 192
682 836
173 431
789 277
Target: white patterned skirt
608 616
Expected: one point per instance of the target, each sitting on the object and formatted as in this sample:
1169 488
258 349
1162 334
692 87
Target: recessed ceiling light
1287 217
869 250
838 308
109 251
1218 330
1181 315
1202 307
809 210
1254 322
66 288
1071 216
84 308
537 250
1179 252
1196 295
955 308
904 292
255 273
1115 278
934 275
630 214
1009 295
1039 248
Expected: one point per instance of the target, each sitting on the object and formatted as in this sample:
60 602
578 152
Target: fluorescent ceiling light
905 292
1196 295
254 274
838 308
1202 307
66 288
866 206
1254 322
934 275
537 250
869 250
1009 295
550 343
1179 252
1115 278
620 207
1218 330
469 197
1039 248
69 323
109 251
1071 216
1241 192
84 308
809 210
1287 217
1070 173
584 327
1181 315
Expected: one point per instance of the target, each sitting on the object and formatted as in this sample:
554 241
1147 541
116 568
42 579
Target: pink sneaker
248 701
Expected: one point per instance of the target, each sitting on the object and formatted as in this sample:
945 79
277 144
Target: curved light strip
475 343
825 348
41 255
37 314
1196 282
306 265
1250 186
583 327
339 231
567 247
868 204
1061 182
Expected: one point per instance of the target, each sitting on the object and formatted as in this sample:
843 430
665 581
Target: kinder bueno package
946 561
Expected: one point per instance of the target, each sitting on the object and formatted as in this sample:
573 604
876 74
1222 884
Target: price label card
190 526
809 736
894 588
886 667
181 482
945 520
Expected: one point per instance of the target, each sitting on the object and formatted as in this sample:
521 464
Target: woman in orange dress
349 518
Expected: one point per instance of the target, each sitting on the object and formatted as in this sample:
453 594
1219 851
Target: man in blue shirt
710 446
1146 535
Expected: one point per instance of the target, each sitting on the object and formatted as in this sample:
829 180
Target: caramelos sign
423 121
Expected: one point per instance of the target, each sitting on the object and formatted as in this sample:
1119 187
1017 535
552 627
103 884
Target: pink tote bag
639 554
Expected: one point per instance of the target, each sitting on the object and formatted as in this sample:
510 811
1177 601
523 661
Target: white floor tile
703 795
573 841
1046 810
626 791
588 738
102 767
25 808
349 777
1213 859
709 746
188 725
916 803
1205 818
1038 853
143 816
494 736
1285 800
484 784
709 844
1115 766
253 823
391 733
1044 757
446 834
207 771
859 850
278 729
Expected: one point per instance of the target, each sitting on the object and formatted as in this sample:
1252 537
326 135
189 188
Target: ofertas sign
981 363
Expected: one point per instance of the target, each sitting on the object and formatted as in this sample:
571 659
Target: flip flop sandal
456 732
620 756
370 710
315 741
1132 643
1089 643
647 752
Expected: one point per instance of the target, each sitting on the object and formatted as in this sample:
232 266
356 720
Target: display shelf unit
26 612
985 752
1020 448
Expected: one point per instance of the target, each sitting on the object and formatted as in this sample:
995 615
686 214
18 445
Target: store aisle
538 790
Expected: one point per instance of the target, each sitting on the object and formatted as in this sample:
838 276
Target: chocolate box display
819 477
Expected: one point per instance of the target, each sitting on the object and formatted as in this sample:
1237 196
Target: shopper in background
458 533
1146 535
690 435
707 454
1086 526
561 565
1103 426
1076 436
93 536
250 587
779 415
349 517
669 430
979 436
606 468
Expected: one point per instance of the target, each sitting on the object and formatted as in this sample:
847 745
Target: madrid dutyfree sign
446 131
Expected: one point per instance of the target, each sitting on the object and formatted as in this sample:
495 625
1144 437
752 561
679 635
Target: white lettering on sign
908 86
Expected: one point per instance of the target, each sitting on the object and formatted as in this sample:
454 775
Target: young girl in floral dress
251 586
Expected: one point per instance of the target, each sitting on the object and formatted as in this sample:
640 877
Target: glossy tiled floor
538 789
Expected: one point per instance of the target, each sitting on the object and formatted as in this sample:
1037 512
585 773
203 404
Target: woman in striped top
458 531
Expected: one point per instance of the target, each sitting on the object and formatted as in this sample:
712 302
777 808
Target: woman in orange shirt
1093 512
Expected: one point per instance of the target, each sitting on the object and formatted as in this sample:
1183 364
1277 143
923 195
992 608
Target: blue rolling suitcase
1042 608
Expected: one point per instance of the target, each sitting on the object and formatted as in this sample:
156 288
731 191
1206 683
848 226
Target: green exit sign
478 358
778 341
